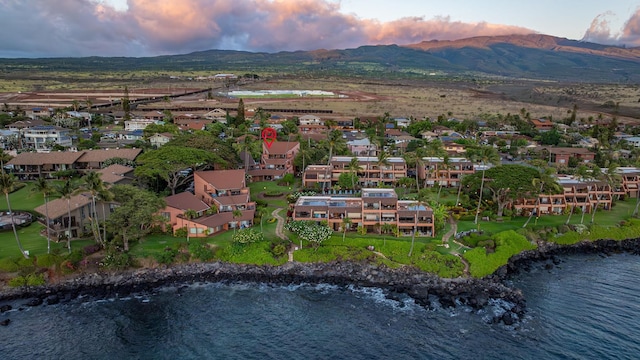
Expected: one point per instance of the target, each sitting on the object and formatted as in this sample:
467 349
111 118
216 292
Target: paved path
445 241
280 230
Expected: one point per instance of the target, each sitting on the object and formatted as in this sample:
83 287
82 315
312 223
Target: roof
60 157
104 154
282 147
115 173
222 218
59 207
232 199
223 179
186 201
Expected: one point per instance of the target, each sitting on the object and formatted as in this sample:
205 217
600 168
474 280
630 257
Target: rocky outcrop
424 288
548 254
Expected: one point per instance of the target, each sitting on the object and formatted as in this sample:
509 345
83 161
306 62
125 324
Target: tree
420 202
7 185
93 183
485 155
170 163
346 223
596 176
445 167
189 214
126 104
382 161
240 115
505 183
547 184
134 216
236 215
42 186
66 190
105 196
333 138
347 180
354 167
262 212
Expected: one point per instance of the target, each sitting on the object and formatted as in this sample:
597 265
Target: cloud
154 27
600 31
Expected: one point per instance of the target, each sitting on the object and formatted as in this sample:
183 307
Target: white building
43 138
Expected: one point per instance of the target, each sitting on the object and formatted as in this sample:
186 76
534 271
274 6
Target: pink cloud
600 31
152 27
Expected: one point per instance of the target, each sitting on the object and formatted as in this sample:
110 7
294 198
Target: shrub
22 262
75 256
67 267
508 243
201 250
246 236
47 260
27 280
279 250
8 265
91 249
117 260
168 256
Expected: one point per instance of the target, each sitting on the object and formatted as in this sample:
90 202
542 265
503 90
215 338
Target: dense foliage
508 243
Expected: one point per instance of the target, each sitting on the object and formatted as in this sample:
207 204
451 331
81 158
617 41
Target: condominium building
372 210
436 171
371 172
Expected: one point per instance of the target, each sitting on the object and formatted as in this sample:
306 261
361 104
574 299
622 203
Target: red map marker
269 135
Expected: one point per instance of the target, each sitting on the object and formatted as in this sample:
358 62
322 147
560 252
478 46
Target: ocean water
586 308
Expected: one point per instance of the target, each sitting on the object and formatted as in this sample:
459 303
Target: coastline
423 287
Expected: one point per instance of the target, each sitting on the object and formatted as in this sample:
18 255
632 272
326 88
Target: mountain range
534 56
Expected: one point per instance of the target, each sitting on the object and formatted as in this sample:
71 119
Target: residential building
542 124
38 113
117 174
44 137
371 172
158 140
95 159
373 209
80 208
633 141
561 155
31 165
435 171
630 177
139 124
310 119
276 161
221 202
362 147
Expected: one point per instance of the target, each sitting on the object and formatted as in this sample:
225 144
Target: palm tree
333 138
420 201
7 185
548 184
189 214
383 160
262 212
93 183
66 190
43 187
346 223
467 156
354 167
236 214
105 196
485 155
386 229
582 172
445 167
596 176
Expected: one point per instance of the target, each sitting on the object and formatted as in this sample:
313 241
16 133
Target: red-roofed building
276 161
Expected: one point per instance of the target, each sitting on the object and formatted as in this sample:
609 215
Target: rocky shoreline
424 288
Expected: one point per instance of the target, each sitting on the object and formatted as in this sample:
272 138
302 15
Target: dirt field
359 98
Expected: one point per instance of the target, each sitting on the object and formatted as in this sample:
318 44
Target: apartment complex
373 209
371 172
221 201
276 161
577 194
437 171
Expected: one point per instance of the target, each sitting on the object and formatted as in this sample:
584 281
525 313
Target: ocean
585 308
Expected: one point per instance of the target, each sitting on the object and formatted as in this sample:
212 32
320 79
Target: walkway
445 242
280 230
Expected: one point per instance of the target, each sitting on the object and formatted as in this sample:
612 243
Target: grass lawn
33 242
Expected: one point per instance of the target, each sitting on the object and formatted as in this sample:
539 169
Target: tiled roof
282 147
115 173
60 157
223 179
59 207
233 199
186 201
224 218
104 154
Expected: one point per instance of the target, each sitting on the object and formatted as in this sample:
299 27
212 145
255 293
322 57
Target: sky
56 28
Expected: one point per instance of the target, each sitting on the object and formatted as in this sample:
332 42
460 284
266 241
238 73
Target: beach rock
34 302
5 308
5 322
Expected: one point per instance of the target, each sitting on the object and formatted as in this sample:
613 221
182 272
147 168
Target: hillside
526 56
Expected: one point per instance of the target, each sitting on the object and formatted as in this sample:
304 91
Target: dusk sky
47 28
